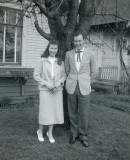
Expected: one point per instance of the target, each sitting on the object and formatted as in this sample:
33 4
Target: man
80 67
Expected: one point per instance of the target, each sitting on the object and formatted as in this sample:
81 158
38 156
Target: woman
50 75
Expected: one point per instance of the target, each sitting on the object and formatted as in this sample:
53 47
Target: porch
112 80
17 85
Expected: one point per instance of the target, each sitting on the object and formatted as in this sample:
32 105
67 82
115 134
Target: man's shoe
72 140
85 143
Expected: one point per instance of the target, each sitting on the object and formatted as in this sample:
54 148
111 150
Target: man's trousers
78 108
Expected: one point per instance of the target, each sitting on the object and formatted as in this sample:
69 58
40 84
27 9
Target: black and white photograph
64 79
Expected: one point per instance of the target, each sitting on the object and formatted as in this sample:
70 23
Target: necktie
78 55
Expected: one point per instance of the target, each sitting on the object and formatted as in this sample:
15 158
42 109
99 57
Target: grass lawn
109 133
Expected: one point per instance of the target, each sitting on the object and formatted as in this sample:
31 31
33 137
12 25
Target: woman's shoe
52 140
40 137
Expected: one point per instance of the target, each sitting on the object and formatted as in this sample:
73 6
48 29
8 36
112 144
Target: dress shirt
52 60
76 56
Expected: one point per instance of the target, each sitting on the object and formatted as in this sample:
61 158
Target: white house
20 49
109 26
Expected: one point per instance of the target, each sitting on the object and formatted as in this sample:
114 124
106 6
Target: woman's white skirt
51 108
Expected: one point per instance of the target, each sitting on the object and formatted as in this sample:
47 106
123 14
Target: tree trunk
124 85
87 11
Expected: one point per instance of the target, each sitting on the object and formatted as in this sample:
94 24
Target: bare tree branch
123 66
56 16
58 23
40 31
114 31
42 8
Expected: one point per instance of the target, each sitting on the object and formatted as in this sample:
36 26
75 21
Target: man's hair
78 32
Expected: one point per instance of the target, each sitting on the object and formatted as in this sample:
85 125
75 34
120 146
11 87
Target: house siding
9 87
106 53
126 58
33 45
31 87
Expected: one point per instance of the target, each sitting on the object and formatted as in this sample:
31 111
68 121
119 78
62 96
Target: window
117 44
125 44
10 36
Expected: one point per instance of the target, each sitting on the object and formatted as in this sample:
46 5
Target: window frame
115 44
5 24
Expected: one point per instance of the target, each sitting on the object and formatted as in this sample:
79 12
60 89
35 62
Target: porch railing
111 73
113 80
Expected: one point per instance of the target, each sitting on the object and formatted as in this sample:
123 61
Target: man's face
78 42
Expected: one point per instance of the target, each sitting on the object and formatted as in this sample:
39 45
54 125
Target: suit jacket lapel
73 59
83 59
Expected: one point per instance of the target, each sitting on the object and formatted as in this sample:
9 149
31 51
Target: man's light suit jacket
86 74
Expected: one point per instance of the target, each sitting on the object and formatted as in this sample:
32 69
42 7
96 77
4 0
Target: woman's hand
58 84
49 86
55 90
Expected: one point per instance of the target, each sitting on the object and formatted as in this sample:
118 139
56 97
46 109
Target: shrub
5 101
30 100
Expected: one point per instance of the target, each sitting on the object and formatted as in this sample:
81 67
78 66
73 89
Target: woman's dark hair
58 55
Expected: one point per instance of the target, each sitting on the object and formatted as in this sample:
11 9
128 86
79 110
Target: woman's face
53 49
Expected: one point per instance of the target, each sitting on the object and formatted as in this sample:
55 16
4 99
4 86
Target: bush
30 101
5 101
